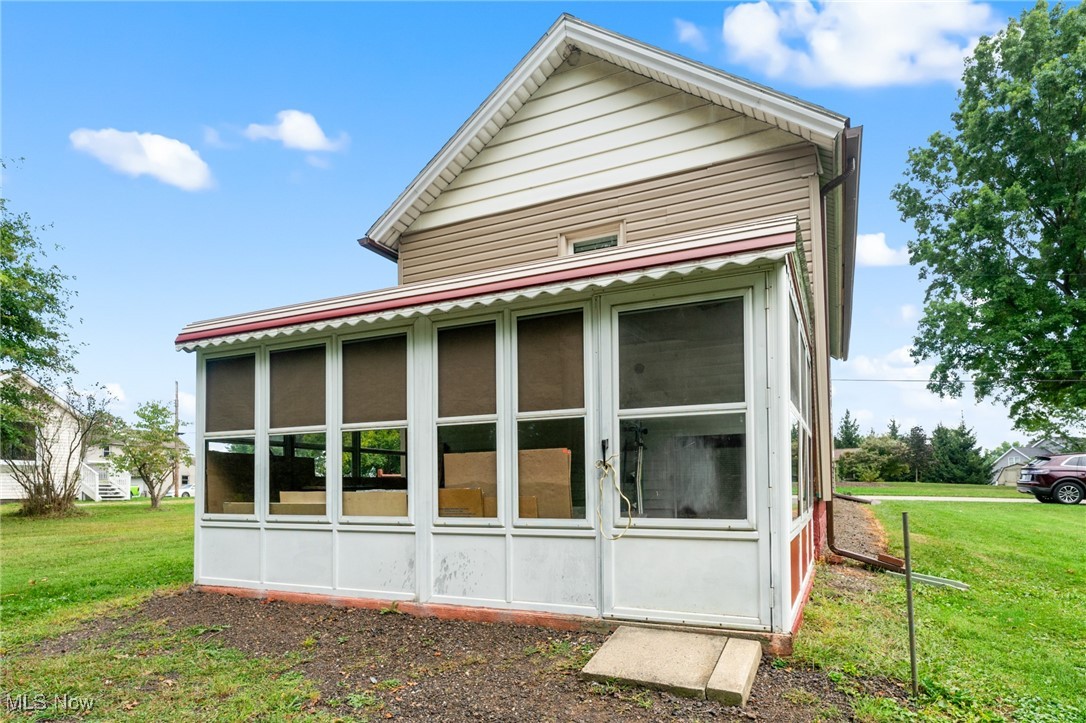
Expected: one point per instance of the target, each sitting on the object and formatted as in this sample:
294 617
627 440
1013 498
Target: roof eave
852 142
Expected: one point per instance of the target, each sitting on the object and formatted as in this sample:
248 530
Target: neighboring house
601 387
55 444
1006 470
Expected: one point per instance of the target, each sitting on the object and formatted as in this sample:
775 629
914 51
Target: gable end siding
591 126
763 186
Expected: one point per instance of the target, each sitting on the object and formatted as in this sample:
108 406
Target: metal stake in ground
909 600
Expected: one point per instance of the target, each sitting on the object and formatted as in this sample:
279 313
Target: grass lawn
56 571
929 489
1014 643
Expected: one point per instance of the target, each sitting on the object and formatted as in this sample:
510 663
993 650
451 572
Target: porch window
374 427
229 436
551 416
799 373
467 461
682 411
297 444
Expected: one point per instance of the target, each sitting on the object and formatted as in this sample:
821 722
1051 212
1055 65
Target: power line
963 381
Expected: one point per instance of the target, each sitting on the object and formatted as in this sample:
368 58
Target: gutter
849 176
383 251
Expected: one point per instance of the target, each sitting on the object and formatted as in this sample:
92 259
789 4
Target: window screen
229 386
681 355
375 380
466 371
228 476
297 387
794 359
550 362
685 467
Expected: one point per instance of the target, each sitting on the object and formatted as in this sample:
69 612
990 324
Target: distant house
602 386
53 447
98 479
1007 469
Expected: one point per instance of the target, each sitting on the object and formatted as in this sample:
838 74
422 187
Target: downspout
831 542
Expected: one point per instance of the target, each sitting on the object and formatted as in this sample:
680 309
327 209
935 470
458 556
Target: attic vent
602 242
583 240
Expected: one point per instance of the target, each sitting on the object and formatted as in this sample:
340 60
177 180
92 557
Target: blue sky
156 144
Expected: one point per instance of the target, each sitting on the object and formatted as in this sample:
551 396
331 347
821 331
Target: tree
878 458
956 458
893 430
34 305
848 434
46 441
999 210
152 449
919 455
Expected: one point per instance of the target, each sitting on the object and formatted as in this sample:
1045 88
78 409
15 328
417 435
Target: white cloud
909 313
213 138
871 250
318 161
116 391
862 44
145 154
690 34
296 129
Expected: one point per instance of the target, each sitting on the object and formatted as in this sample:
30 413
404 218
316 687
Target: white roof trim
808 121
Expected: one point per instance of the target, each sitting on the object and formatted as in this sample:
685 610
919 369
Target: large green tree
999 210
34 305
919 456
956 458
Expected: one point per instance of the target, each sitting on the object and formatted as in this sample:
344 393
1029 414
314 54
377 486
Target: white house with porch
601 389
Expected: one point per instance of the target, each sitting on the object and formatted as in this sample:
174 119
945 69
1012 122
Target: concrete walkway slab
733 676
670 660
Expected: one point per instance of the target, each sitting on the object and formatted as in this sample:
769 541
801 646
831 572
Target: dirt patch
424 669
856 529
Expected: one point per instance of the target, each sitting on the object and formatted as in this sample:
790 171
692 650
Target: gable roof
569 35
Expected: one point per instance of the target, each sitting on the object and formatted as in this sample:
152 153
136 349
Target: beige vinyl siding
763 186
591 126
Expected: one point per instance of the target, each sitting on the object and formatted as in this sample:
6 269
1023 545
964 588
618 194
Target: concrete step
695 665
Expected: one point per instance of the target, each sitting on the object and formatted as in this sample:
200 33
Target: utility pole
177 446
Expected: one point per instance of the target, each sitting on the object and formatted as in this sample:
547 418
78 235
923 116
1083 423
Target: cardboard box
238 508
301 498
490 506
375 503
472 469
460 502
545 475
288 508
529 507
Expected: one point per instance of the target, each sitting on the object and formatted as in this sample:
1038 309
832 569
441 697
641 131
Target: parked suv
1059 479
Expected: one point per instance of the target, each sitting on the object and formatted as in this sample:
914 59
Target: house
601 387
1006 470
96 477
55 443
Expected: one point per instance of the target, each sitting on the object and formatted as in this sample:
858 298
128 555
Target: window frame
205 436
743 290
585 413
342 427
803 413
567 239
267 431
498 418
